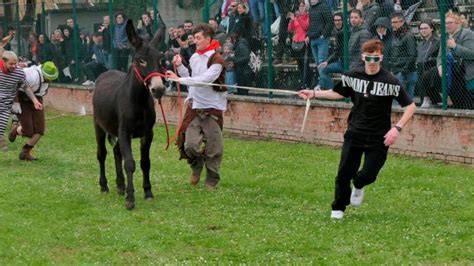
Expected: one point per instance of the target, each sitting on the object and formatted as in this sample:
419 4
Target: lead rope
180 111
140 78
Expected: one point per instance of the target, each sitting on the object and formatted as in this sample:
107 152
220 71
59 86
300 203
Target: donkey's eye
142 62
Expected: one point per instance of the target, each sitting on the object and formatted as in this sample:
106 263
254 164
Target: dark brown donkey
124 109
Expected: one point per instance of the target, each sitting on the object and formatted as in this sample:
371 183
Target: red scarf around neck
212 46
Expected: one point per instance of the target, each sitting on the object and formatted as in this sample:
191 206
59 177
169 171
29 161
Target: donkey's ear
160 33
132 35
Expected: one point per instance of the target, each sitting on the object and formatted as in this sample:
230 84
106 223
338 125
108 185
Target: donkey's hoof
129 205
104 190
121 191
149 195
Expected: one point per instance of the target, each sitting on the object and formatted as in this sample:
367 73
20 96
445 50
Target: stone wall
446 135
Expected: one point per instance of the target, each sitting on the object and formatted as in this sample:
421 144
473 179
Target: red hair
373 45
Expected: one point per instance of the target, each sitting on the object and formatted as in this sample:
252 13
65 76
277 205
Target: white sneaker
88 83
426 103
317 88
357 196
337 215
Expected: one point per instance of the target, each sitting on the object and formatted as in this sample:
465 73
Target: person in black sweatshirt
370 132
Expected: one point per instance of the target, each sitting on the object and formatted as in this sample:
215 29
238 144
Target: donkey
124 109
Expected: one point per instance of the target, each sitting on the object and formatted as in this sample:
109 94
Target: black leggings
355 145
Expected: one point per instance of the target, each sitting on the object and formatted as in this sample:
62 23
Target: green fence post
268 24
4 20
111 31
18 26
205 12
345 26
444 80
75 39
155 15
43 17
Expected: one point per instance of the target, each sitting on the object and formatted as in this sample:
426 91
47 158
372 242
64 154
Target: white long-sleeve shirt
203 96
35 79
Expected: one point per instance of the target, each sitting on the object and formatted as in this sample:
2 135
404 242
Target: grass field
272 207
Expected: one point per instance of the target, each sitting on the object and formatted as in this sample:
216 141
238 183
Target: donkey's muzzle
157 87
157 92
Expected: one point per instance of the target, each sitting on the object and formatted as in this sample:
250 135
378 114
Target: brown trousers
32 120
204 146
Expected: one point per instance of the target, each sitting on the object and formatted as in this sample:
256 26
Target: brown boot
13 132
194 179
25 154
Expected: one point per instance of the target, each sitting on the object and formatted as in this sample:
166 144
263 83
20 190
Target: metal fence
264 42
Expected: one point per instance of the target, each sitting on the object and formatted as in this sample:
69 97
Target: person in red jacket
299 23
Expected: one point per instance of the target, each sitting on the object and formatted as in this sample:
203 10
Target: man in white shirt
32 121
203 119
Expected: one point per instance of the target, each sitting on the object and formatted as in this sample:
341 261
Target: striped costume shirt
9 83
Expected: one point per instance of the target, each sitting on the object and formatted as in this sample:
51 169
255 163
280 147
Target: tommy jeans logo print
366 87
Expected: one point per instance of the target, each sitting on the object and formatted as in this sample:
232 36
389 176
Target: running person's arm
393 134
29 92
325 94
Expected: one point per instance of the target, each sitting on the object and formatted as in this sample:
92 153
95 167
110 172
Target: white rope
308 102
192 83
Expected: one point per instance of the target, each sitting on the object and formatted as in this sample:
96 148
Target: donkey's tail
112 140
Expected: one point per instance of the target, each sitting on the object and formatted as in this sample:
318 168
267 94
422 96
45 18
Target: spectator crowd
305 33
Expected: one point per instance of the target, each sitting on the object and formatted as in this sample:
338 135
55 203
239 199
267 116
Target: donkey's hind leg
100 136
145 144
119 169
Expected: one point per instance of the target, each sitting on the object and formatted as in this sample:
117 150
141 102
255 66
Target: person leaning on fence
243 72
7 39
98 66
104 30
370 132
403 52
145 27
460 62
32 121
382 30
219 35
359 35
370 11
334 62
11 78
203 120
428 50
243 22
44 51
120 42
320 28
229 56
299 23
58 53
285 6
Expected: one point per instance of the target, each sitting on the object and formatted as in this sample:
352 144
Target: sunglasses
372 58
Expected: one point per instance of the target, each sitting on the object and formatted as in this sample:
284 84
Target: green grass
272 206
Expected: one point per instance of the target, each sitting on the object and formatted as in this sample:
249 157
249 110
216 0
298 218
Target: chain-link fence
281 44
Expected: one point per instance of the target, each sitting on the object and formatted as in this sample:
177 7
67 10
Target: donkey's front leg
101 156
125 141
145 143
120 180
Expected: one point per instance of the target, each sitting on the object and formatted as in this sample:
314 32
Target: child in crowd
230 78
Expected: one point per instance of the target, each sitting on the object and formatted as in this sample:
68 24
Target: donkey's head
147 62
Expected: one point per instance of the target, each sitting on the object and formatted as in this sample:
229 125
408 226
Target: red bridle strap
144 80
140 78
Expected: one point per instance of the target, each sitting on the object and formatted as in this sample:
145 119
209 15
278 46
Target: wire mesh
267 44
